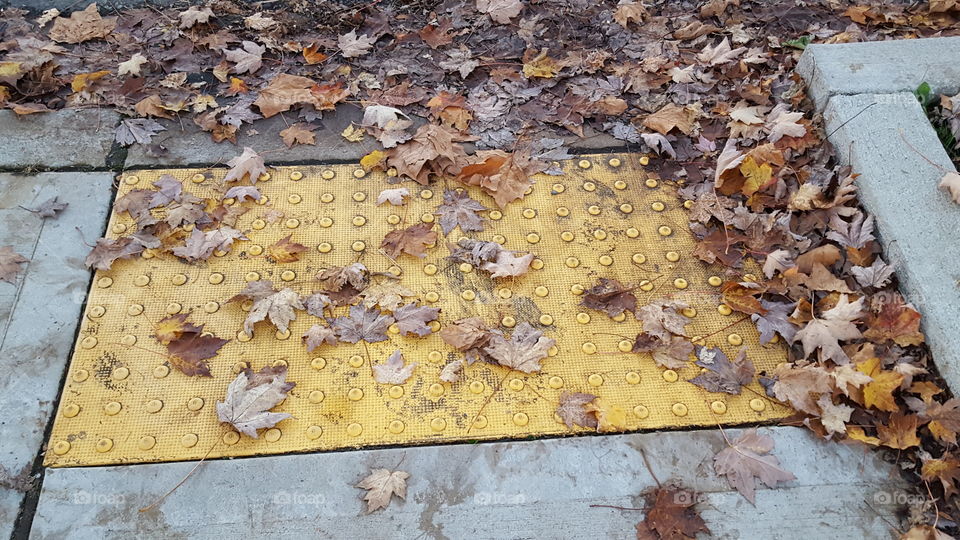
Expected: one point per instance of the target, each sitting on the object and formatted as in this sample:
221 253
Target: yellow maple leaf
542 66
757 176
879 392
373 159
353 134
82 81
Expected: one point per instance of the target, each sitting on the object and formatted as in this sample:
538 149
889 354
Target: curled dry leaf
354 275
523 351
49 208
506 177
452 372
200 245
468 335
749 460
251 396
103 254
388 295
279 307
393 371
82 26
381 485
661 318
318 335
951 184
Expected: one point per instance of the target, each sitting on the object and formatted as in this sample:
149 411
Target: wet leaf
576 409
610 296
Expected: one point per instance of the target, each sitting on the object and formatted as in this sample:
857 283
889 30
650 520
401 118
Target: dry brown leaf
501 11
413 240
393 371
747 461
381 485
576 409
249 165
82 26
10 262
670 117
523 351
285 250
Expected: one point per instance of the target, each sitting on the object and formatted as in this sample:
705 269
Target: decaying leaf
201 245
722 375
10 262
354 275
49 208
413 240
523 351
466 334
352 45
278 306
458 209
661 318
671 354
388 295
393 371
835 324
82 26
610 296
576 409
501 11
365 324
748 460
101 257
452 372
381 485
413 319
317 335
251 396
506 177
670 515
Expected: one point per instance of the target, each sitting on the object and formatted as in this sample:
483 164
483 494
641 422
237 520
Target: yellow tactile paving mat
604 217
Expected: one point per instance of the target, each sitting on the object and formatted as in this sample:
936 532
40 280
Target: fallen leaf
833 325
506 177
628 12
388 295
671 354
523 351
413 240
189 352
10 262
394 196
50 207
258 21
381 485
285 250
609 296
452 372
501 11
671 515
670 117
721 53
137 130
834 417
249 164
775 321
413 319
200 245
298 134
660 318
278 306
333 279
101 257
575 410
893 320
393 371
458 209
801 387
466 334
353 133
879 391
946 469
900 432
194 15
508 264
365 324
353 46
432 151
317 335
241 193
748 460
82 26
722 375
251 396
951 183
131 66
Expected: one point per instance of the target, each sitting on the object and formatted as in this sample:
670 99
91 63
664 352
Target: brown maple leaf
82 26
413 319
285 250
10 262
200 245
469 335
900 432
671 354
365 324
249 164
189 352
801 387
891 319
172 327
747 461
251 396
610 296
381 485
945 469
722 375
660 318
505 176
393 371
576 409
413 240
355 275
743 297
298 134
318 335
523 351
458 209
671 515
833 325
433 151
278 306
49 208
108 250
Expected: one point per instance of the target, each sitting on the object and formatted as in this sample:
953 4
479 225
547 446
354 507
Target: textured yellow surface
603 217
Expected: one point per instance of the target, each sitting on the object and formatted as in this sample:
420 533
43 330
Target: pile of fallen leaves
705 88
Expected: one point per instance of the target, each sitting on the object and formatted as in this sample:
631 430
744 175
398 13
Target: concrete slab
65 138
40 313
880 67
889 142
187 145
533 489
